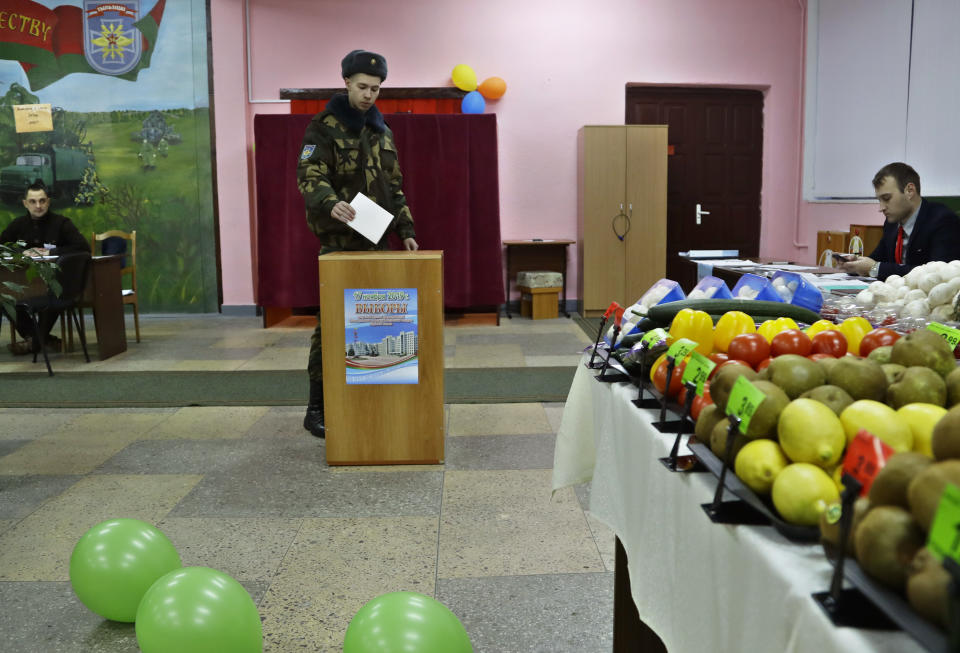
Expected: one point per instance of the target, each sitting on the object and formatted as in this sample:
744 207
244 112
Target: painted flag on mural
106 38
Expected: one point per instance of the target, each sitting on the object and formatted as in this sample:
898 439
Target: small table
536 254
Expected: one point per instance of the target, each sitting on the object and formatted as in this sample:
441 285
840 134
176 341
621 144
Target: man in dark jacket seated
45 234
916 231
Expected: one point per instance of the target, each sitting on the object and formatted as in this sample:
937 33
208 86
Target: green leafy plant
12 259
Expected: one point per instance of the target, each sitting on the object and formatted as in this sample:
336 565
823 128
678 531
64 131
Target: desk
731 275
529 255
700 586
103 294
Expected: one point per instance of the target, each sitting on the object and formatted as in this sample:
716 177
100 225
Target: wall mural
130 144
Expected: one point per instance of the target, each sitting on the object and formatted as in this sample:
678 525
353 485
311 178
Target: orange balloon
492 88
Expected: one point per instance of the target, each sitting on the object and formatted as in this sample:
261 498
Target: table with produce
822 415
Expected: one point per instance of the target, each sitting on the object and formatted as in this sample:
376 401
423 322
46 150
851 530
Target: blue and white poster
381 344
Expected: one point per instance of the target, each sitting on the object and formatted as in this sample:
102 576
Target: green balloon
114 563
198 610
405 622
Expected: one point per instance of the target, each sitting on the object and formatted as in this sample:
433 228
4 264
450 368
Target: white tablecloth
700 586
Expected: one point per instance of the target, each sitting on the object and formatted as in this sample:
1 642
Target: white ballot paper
371 219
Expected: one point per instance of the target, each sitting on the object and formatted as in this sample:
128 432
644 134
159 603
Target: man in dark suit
44 233
916 231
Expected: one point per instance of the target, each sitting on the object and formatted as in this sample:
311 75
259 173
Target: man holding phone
916 231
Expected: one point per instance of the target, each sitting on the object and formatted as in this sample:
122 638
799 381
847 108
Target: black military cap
361 61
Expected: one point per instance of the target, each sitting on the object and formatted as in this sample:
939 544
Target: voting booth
381 316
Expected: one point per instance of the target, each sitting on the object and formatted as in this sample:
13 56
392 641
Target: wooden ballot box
382 323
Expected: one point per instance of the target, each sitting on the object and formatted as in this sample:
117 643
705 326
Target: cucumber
756 308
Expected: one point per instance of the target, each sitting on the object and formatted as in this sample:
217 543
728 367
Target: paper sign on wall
381 343
32 118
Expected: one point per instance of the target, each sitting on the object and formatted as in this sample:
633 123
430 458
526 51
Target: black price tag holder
640 402
688 463
731 512
849 607
592 363
614 377
663 424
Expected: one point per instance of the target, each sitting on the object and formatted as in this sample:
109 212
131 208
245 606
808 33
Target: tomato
763 364
699 403
877 338
791 341
816 357
830 342
750 348
719 357
724 364
660 379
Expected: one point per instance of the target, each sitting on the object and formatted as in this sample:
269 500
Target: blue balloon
473 102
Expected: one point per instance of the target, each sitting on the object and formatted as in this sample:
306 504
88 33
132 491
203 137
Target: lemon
879 420
921 418
758 464
810 432
837 475
801 492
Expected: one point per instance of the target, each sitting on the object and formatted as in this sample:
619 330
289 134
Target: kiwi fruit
890 485
926 488
886 540
928 586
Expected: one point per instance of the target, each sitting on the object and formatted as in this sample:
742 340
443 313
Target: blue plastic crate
794 289
752 286
710 288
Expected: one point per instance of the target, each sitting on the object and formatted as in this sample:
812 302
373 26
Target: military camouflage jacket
345 152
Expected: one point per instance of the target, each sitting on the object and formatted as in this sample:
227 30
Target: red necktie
898 252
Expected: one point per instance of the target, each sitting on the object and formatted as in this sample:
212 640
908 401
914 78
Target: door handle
701 212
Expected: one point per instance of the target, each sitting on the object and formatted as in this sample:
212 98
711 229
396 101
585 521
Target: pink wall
566 64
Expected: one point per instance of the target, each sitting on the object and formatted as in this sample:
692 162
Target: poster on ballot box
381 337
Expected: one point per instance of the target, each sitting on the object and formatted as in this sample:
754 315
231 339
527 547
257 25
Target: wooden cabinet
871 234
622 213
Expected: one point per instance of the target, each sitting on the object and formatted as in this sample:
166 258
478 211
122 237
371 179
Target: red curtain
451 182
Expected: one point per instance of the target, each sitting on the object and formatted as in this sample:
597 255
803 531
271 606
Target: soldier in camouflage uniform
348 149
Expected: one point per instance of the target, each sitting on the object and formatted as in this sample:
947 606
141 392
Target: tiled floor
246 490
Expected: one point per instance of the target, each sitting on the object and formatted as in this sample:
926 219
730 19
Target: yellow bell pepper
770 328
696 326
818 326
730 324
854 328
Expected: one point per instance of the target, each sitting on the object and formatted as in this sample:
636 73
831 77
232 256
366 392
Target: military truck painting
60 168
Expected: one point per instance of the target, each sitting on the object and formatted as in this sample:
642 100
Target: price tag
679 349
944 540
653 337
698 370
744 400
610 309
618 316
866 456
951 335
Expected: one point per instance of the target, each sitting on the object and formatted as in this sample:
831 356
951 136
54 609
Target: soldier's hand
410 245
343 212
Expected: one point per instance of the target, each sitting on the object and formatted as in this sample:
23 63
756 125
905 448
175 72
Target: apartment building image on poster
381 339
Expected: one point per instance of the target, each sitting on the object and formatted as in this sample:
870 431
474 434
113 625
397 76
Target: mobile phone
842 257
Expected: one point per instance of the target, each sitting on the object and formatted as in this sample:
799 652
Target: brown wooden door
715 160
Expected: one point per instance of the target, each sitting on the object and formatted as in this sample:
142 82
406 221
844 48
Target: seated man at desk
916 231
45 234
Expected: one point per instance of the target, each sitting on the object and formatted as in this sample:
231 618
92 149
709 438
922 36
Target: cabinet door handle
626 219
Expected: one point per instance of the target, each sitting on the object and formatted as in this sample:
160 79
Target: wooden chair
121 242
